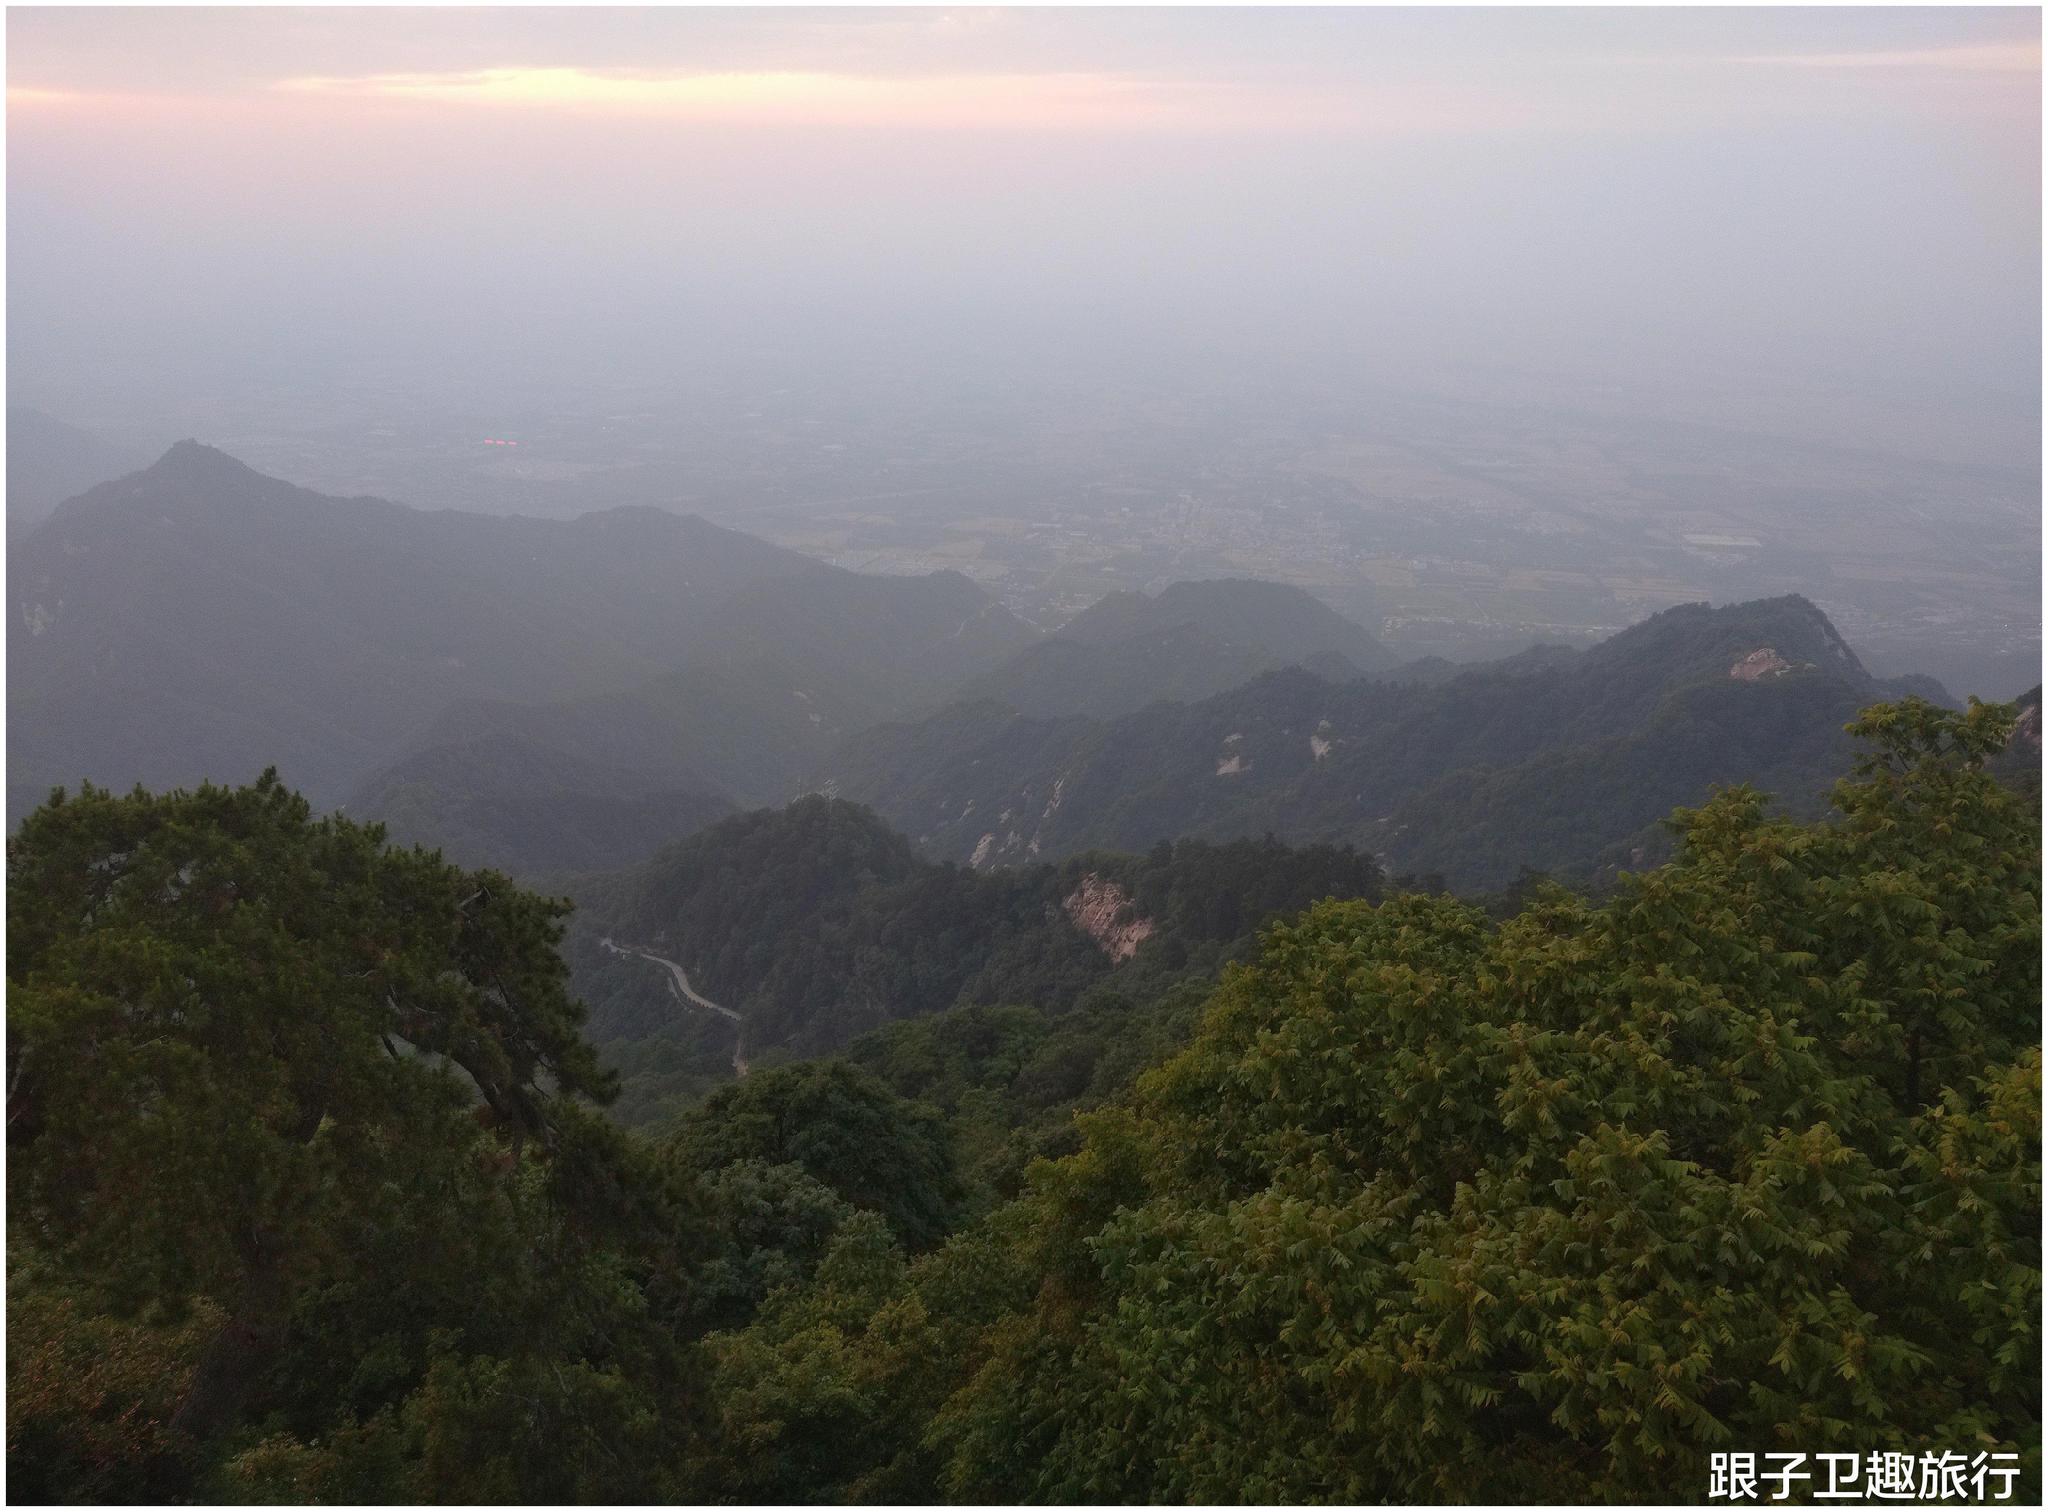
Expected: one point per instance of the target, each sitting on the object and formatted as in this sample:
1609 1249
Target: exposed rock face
1099 910
1762 662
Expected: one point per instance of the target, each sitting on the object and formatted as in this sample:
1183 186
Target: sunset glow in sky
1044 101
1648 191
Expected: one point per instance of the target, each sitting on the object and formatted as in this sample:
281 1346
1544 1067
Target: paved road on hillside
679 980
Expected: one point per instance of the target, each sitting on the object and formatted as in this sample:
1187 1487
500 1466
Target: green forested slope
817 923
781 676
310 1200
305 1192
1433 1211
1542 761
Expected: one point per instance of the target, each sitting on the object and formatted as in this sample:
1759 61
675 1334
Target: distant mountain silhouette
549 695
1189 642
200 620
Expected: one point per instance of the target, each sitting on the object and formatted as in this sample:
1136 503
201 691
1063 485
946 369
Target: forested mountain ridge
1563 756
1285 620
891 642
816 923
1428 1207
782 676
2020 762
199 619
743 731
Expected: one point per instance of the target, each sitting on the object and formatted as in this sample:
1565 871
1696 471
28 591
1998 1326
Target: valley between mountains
835 801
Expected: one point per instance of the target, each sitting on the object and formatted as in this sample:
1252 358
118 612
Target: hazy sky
1839 205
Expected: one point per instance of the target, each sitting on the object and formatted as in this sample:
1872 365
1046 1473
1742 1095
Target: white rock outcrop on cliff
1099 911
1762 662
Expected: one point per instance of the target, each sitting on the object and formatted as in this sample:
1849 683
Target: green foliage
818 923
827 1395
1009 1080
88 1394
1425 1204
794 1409
1439 1209
842 1127
268 1073
1430 1211
208 993
773 1224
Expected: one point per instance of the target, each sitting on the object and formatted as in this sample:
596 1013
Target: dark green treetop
240 1037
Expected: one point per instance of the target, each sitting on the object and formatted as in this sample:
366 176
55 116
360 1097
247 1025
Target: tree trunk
238 1355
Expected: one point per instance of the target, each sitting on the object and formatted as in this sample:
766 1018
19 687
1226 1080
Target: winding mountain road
679 982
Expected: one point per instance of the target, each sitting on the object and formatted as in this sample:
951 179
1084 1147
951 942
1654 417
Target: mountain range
493 683
839 800
569 696
1556 760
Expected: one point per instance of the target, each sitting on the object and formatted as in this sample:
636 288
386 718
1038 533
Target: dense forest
315 1196
817 922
